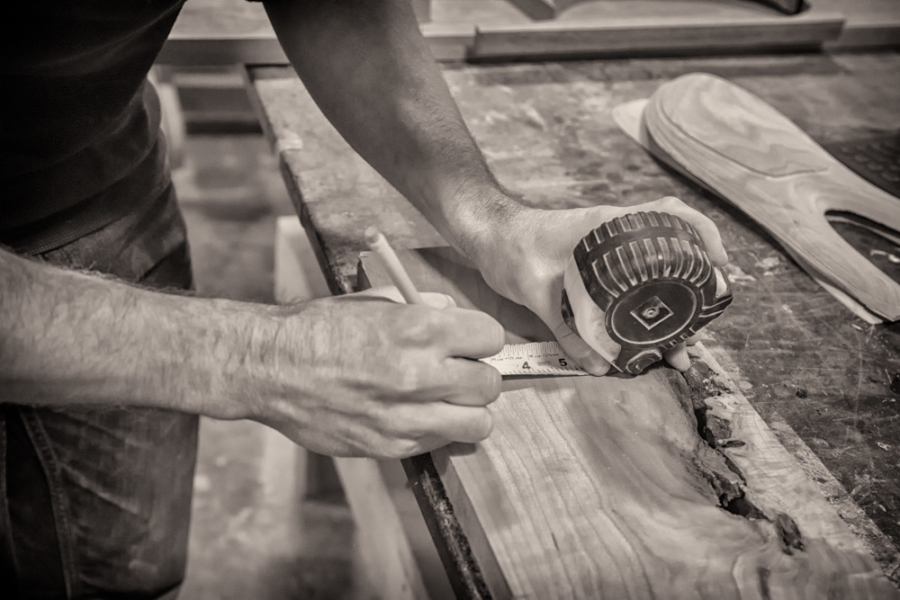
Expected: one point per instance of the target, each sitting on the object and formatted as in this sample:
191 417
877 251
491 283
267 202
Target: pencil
379 245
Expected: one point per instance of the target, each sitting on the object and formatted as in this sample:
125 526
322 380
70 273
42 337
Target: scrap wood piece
666 33
789 7
633 488
549 9
544 9
759 160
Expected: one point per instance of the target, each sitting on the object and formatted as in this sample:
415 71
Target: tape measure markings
535 358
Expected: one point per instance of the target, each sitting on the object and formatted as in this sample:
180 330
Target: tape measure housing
650 275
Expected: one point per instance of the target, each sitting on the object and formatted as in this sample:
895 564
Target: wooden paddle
759 160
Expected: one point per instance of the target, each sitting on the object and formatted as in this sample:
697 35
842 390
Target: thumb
678 357
389 292
577 349
436 300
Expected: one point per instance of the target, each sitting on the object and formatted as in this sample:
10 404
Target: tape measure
535 358
649 274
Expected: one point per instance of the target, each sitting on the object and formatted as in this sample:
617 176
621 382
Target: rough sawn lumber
661 486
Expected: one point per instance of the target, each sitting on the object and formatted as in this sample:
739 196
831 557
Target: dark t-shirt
80 144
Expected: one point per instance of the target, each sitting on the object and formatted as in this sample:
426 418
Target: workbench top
547 131
231 32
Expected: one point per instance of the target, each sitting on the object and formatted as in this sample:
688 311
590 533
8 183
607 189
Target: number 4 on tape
536 358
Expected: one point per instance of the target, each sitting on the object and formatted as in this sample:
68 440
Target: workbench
229 32
827 383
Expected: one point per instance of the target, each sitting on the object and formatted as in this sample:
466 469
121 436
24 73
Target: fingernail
595 365
678 358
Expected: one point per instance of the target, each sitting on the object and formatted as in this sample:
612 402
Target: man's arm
368 67
68 337
357 375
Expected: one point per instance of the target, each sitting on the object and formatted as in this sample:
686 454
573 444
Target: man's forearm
369 69
73 338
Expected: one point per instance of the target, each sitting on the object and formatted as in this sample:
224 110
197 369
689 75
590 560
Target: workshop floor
251 537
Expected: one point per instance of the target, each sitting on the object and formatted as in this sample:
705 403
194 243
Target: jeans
95 501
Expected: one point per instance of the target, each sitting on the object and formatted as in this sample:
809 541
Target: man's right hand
363 375
358 375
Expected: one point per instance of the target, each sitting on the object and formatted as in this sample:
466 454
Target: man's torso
79 140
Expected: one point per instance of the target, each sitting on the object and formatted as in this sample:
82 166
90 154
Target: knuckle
418 326
481 383
412 422
420 378
480 330
407 380
382 419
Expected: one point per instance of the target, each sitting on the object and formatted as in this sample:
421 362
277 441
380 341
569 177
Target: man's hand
361 375
526 258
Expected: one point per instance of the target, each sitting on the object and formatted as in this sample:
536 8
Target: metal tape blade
535 358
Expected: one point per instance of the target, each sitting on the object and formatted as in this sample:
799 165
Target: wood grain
661 486
759 160
630 119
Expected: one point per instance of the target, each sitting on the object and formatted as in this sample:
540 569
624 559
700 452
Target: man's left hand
525 259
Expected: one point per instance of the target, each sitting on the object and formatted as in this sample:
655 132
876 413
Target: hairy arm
355 375
68 337
369 69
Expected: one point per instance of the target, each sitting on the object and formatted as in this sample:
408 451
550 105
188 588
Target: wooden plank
868 33
549 9
759 160
298 276
644 35
390 566
234 32
870 23
790 7
657 486
540 9
448 42
547 131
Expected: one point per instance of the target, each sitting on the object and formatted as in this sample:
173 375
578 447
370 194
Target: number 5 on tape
536 358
